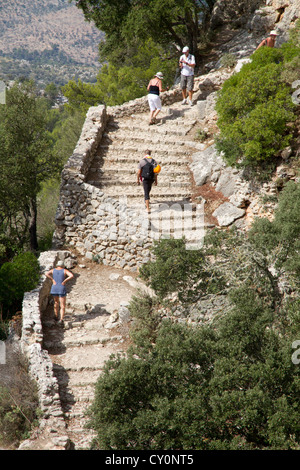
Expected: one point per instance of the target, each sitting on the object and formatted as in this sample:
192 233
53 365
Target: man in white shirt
187 65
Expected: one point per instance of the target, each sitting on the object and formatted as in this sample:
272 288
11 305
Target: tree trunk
32 226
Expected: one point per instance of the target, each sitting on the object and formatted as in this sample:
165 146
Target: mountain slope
38 24
45 32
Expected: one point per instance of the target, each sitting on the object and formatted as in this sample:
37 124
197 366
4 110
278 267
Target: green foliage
178 270
202 389
26 160
18 400
118 84
279 240
228 60
231 385
255 105
66 132
16 277
147 320
171 23
148 403
47 201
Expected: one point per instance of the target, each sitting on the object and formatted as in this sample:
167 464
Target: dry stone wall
52 424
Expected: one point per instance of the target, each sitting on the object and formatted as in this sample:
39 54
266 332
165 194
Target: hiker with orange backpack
147 172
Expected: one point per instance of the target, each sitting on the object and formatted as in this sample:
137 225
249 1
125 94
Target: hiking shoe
184 101
190 102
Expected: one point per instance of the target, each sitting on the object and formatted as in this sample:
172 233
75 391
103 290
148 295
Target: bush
18 399
17 277
254 107
178 270
203 389
231 385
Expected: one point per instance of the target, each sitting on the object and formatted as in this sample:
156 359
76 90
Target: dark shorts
59 295
147 184
187 82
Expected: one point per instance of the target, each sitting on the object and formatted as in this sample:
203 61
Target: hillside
212 368
37 34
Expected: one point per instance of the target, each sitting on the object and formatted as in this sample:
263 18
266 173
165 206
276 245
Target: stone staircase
79 349
123 145
114 168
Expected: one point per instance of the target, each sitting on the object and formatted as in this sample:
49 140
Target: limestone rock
227 213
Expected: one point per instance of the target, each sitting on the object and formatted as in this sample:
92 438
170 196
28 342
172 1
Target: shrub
203 388
228 60
178 270
18 399
16 277
254 107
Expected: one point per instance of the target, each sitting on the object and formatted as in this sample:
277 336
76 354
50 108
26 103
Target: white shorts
154 102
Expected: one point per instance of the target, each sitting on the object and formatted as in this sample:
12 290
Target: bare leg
147 202
156 113
151 117
62 302
56 306
191 96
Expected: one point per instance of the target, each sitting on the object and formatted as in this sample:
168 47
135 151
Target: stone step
179 126
79 395
81 438
137 153
77 411
119 169
83 378
120 183
132 162
89 357
147 141
136 192
144 138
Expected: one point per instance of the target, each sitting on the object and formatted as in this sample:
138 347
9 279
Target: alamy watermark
176 220
2 92
296 354
296 94
2 353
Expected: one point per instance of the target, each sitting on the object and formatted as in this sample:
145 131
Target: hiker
154 89
58 289
269 41
187 65
146 174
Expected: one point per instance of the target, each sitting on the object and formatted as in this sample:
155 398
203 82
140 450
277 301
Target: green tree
26 160
118 84
51 92
127 24
207 388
